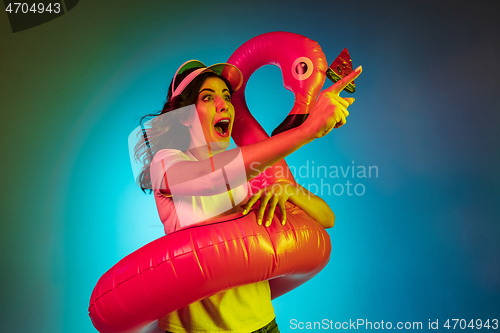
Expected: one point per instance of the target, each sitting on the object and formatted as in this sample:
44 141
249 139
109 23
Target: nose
221 104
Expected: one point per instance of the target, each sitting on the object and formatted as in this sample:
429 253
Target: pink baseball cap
227 71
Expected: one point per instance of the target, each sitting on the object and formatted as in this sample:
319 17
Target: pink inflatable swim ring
158 278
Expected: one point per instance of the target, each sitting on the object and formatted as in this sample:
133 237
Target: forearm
259 156
262 155
238 165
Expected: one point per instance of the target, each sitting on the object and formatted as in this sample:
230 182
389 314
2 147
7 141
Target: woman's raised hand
330 110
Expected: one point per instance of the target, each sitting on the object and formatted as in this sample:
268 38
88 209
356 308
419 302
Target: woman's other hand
271 196
330 110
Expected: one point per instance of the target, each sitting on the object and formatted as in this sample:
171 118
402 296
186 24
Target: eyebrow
211 90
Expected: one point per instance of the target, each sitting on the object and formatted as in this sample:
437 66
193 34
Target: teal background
421 243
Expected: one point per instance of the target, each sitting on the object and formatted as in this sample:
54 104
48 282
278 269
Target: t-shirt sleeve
162 161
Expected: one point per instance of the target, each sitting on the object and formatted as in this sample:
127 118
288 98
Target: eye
227 98
207 98
302 68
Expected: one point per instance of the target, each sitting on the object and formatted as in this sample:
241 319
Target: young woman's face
215 111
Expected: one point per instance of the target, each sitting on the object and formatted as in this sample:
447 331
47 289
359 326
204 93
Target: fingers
270 198
345 113
336 99
270 210
340 123
262 208
281 205
349 100
341 116
252 201
342 83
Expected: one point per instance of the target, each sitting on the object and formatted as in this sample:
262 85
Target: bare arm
199 178
314 206
239 165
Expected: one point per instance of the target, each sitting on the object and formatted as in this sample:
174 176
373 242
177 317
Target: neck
203 152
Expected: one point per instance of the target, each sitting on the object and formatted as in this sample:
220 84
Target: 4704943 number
474 324
37 8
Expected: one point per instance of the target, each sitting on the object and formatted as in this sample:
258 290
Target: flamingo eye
302 68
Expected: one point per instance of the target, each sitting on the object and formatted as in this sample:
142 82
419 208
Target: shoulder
170 154
162 161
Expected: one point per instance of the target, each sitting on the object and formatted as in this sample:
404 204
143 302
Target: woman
190 170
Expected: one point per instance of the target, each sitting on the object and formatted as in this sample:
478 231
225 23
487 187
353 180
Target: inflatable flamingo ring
158 278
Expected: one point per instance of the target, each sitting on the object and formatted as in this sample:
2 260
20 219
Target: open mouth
222 127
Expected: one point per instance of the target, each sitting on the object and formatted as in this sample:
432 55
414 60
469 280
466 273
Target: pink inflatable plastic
159 278
303 66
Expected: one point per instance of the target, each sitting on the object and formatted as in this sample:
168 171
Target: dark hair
156 137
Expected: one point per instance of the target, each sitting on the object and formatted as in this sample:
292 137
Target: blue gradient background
421 243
